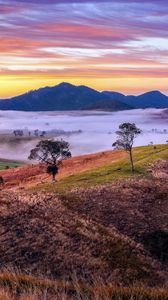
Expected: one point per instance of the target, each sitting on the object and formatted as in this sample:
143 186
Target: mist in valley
87 132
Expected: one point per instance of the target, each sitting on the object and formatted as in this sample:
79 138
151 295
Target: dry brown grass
135 206
24 287
106 232
94 232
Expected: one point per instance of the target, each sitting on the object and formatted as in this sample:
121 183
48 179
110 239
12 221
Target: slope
97 221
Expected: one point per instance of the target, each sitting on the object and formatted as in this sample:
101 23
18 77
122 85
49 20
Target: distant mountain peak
66 96
154 92
65 85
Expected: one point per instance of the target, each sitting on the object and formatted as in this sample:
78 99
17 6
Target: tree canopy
126 135
50 151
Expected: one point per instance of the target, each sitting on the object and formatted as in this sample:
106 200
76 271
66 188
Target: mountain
153 99
66 96
61 97
114 95
113 105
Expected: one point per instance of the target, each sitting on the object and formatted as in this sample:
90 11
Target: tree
51 153
126 135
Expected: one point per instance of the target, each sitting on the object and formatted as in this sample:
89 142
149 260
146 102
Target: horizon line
100 91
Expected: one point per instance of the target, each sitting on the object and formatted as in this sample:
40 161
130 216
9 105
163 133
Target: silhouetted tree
52 153
18 132
126 135
36 132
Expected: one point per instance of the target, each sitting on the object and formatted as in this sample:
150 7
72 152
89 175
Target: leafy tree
126 135
52 153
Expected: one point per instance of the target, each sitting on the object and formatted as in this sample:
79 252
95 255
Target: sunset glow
119 45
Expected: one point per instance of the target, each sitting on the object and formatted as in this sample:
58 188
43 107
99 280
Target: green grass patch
9 165
143 156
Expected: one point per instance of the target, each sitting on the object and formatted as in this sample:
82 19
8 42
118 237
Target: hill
96 221
66 96
153 99
108 105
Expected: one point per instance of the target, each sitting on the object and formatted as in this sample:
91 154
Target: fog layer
97 129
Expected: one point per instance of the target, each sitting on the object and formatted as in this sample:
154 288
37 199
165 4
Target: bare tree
126 135
51 153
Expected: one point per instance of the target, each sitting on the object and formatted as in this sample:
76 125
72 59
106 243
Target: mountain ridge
66 96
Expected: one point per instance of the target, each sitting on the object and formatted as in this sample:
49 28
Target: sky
119 45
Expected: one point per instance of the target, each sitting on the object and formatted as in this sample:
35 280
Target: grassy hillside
43 234
98 232
112 170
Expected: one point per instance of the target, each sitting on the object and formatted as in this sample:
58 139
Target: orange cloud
93 42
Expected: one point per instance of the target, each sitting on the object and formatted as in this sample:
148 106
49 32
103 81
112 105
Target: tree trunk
53 177
131 161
